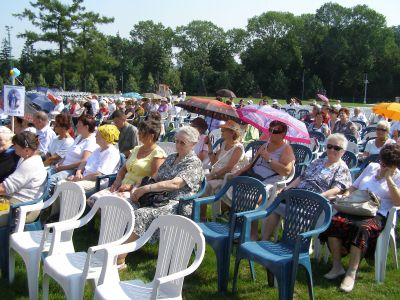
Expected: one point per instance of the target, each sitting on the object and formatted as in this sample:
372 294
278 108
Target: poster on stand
14 100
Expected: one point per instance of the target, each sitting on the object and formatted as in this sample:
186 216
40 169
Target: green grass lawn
203 283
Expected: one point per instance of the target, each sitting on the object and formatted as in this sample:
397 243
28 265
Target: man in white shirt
359 116
44 132
95 104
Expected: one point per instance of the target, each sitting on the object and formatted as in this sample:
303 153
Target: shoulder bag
359 203
152 199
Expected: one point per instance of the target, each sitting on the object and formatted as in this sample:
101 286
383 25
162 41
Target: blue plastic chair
351 138
292 112
217 143
184 200
303 209
302 113
321 138
360 168
169 137
5 231
246 192
367 130
362 123
303 156
254 146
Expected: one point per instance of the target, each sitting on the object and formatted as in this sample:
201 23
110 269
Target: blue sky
224 13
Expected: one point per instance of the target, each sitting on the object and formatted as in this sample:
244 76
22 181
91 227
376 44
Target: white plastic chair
168 147
388 235
71 270
31 244
179 237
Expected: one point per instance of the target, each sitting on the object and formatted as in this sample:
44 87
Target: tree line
278 54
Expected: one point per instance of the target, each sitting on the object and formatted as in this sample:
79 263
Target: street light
365 88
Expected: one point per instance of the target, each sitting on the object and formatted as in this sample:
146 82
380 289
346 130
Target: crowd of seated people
97 150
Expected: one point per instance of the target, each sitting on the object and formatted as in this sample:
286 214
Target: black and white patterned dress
190 169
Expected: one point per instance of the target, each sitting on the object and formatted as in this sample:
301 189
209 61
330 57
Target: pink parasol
323 97
261 116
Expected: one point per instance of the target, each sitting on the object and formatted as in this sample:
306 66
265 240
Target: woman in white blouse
382 138
357 235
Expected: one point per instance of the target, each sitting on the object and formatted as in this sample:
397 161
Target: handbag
152 199
359 203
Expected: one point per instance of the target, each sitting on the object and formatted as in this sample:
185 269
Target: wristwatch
269 160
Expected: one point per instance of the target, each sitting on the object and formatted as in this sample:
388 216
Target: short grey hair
191 134
384 124
340 138
6 133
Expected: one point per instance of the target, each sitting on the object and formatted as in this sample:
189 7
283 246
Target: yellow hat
109 133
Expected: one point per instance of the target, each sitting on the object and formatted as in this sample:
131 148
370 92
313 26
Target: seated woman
201 148
8 157
179 176
319 125
60 145
145 160
357 235
79 152
23 125
327 176
104 160
24 184
344 125
382 138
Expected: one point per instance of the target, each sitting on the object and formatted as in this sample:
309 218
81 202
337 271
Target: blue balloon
15 73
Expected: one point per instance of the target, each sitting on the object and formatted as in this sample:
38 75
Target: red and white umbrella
261 116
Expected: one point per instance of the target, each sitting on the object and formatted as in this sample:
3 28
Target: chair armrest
100 177
197 203
58 229
23 211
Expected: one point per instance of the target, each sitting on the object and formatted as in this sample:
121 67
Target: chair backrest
169 137
72 200
351 138
303 209
362 123
302 153
179 238
254 146
367 130
168 147
302 113
246 193
117 218
318 135
352 147
217 143
292 112
350 159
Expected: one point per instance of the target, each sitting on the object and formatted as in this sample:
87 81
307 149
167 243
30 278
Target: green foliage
41 81
57 81
148 85
74 82
92 85
1 83
173 80
132 85
110 85
28 82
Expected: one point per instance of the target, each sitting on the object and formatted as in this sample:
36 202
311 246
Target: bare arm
167 185
293 184
85 157
155 165
51 160
235 157
2 189
331 193
284 165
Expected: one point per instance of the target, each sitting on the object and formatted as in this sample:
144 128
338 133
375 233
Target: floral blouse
319 179
190 169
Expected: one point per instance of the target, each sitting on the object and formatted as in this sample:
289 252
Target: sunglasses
334 147
381 129
275 131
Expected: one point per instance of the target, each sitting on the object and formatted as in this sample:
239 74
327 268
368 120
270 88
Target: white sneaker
347 284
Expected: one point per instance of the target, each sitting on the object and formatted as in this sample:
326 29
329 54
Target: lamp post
365 88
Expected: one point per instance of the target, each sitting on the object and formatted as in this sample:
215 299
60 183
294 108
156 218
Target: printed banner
14 100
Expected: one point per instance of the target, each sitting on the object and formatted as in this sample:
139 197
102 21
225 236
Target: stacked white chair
31 244
179 237
72 269
168 147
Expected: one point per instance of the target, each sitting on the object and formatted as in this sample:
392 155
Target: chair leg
252 270
11 265
235 274
381 252
223 268
309 281
32 269
45 286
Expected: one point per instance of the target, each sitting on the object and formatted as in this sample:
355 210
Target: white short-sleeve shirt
367 181
105 162
60 147
80 145
371 147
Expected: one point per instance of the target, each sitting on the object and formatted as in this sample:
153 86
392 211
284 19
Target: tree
173 80
131 84
41 81
92 85
74 82
5 56
28 82
148 84
57 23
1 83
111 84
57 81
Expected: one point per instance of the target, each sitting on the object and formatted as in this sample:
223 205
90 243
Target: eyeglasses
334 147
180 142
275 131
381 129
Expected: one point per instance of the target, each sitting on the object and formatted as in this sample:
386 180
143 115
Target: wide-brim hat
232 125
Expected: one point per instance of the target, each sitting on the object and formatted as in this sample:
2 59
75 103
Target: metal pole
365 88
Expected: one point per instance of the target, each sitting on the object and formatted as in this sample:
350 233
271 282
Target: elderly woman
60 145
357 235
144 160
79 152
179 176
327 176
8 157
104 160
319 125
382 139
344 125
27 181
